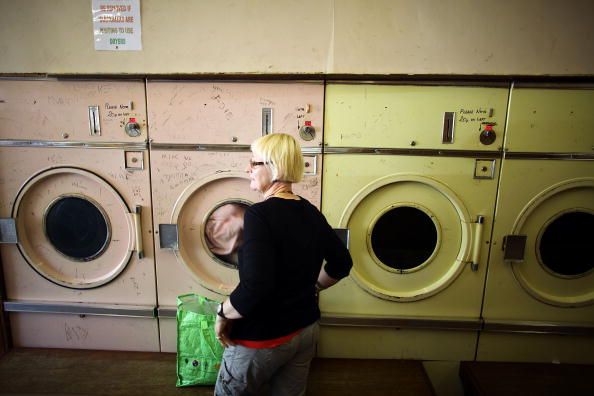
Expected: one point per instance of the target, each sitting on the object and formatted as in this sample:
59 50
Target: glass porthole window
564 247
77 228
403 238
223 232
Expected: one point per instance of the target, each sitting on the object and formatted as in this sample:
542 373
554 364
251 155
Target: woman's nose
248 168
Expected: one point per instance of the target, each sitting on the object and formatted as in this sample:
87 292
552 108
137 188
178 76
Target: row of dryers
103 228
468 210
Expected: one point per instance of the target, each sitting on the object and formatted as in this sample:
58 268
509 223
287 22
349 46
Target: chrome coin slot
447 136
94 122
266 121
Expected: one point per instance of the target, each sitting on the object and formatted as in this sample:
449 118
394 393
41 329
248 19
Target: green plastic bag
199 354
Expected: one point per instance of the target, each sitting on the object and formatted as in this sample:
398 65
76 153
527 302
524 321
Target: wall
467 37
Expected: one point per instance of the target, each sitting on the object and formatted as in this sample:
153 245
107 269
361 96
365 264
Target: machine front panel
415 117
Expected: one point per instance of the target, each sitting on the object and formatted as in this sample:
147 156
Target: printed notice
116 25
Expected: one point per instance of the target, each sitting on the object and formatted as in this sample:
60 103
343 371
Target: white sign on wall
116 25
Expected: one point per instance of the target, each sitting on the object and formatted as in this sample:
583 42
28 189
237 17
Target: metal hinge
168 236
513 248
344 234
8 232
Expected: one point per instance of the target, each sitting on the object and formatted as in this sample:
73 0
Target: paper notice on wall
116 25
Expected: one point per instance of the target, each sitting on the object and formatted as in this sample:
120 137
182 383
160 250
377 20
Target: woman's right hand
223 330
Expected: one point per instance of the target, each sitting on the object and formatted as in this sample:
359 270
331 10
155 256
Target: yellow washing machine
411 172
75 204
201 133
539 297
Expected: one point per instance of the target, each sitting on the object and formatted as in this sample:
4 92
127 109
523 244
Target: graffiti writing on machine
478 114
117 110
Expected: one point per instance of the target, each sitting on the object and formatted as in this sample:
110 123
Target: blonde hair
282 155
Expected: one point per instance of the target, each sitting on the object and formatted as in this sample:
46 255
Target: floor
526 379
76 372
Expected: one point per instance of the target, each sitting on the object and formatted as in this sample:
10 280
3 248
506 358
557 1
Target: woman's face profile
260 175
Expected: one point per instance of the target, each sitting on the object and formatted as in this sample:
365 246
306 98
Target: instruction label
116 25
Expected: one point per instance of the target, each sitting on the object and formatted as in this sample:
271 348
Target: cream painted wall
527 37
464 37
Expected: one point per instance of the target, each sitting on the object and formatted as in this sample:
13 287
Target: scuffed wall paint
532 37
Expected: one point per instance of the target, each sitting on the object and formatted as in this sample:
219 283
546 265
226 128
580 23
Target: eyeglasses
253 163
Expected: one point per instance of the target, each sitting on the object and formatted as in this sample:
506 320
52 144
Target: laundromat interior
450 143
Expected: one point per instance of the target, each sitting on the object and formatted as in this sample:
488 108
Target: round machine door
209 218
558 266
410 237
73 227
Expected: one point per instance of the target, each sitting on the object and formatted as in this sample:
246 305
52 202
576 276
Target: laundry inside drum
77 228
565 244
223 232
404 238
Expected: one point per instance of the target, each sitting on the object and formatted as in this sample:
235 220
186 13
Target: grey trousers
245 371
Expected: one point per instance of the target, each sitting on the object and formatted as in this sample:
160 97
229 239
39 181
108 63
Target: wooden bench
526 379
80 372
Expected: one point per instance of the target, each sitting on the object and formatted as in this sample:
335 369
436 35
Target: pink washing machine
75 208
200 137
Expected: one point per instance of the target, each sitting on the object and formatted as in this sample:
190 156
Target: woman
269 323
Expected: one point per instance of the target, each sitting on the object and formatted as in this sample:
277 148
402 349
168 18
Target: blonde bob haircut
282 155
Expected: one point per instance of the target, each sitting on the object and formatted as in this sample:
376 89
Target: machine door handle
137 229
478 239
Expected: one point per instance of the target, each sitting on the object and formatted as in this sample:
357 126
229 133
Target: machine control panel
311 165
484 169
488 135
307 132
132 128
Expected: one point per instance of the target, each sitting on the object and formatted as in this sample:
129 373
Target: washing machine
201 132
539 297
75 206
411 172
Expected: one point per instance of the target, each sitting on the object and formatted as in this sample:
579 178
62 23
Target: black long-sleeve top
285 244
